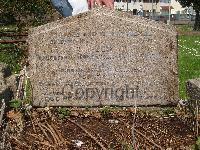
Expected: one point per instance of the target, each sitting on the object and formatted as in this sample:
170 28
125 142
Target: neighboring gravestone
3 86
193 93
7 83
193 89
103 57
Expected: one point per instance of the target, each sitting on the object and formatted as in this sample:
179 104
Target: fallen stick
90 135
49 130
144 136
138 132
44 143
2 112
32 123
34 135
12 41
54 133
44 132
19 143
57 132
60 137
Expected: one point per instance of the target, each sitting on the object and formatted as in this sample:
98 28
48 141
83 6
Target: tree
26 11
196 6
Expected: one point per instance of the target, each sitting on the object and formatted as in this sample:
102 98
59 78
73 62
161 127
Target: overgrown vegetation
11 55
23 12
196 6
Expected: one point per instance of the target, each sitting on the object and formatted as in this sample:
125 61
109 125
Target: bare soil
94 130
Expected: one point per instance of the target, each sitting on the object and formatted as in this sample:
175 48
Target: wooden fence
12 37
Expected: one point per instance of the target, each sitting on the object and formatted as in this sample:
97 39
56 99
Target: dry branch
45 143
89 134
57 132
34 135
53 133
19 143
144 136
44 132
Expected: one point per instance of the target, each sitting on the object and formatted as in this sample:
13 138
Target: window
129 1
150 1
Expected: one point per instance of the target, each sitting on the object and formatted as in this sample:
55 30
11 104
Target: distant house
138 7
156 9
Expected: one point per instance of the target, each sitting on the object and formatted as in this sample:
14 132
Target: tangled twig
19 143
89 134
144 136
45 144
44 132
54 135
60 136
138 132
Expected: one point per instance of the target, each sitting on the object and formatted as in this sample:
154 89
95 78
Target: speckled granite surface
7 83
103 57
193 89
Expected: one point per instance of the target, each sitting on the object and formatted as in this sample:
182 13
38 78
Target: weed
168 111
12 56
106 111
16 104
63 112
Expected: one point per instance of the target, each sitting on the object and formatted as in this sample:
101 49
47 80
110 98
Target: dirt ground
85 129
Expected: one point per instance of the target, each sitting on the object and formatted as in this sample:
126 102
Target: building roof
166 7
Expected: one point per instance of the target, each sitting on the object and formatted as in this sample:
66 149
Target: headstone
193 93
193 89
7 82
103 57
2 78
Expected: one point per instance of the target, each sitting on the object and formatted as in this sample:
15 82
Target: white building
161 7
144 6
176 7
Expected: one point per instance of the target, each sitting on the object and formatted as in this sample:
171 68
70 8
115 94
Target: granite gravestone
7 83
193 89
103 57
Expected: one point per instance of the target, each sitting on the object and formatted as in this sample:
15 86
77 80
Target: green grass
189 61
11 54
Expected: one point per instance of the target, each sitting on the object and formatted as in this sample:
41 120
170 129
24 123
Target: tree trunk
197 21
